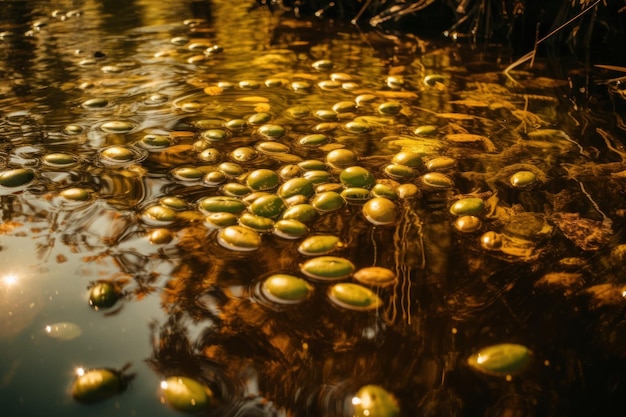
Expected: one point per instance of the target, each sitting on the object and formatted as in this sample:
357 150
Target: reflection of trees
291 359
307 358
19 52
310 358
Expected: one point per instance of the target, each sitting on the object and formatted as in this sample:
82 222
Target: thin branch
549 35
531 55
355 20
611 67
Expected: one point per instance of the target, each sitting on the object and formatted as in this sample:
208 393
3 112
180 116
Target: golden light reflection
19 302
79 371
10 280
365 403
163 384
63 330
482 358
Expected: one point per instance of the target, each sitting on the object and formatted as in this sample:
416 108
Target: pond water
164 166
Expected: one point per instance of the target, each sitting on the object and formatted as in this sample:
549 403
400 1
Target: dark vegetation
581 41
592 31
